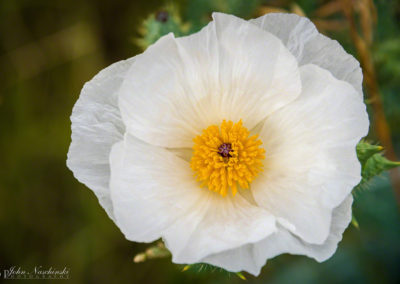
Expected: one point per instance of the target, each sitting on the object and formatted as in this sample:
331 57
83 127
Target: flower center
224 150
226 156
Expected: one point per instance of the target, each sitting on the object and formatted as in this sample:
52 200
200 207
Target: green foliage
203 267
366 151
199 11
195 16
387 54
159 24
373 163
207 268
376 165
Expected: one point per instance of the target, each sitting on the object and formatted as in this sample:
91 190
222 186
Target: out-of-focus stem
362 44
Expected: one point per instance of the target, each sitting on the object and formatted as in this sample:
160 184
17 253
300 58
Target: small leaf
186 268
241 276
377 164
156 251
372 163
354 222
366 150
159 24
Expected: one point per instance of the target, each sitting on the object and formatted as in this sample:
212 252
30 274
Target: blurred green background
50 48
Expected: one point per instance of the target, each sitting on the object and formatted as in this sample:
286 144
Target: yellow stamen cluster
217 169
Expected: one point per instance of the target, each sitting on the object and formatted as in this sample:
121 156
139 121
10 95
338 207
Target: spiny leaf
204 267
377 164
159 24
366 150
372 163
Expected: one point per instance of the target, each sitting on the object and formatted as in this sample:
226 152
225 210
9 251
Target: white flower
149 131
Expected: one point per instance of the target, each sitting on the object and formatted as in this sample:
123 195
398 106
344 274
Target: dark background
48 50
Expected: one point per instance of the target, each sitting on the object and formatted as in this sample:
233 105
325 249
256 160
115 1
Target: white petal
309 46
228 223
311 163
96 126
155 195
252 257
181 86
150 188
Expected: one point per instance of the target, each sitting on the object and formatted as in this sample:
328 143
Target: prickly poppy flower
233 145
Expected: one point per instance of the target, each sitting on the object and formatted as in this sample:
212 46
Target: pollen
227 156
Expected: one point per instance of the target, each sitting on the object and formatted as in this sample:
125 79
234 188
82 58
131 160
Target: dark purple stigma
224 150
162 16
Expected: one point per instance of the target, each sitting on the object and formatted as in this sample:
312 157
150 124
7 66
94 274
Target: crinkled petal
181 86
228 223
304 41
155 195
96 126
311 163
252 257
